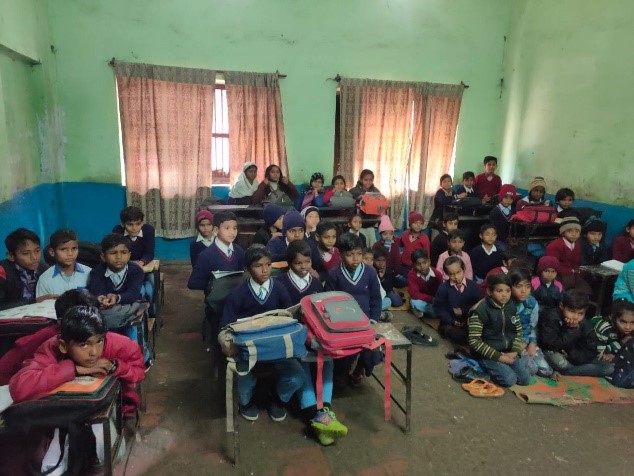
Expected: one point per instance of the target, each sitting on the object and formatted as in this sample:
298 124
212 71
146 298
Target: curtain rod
279 75
338 79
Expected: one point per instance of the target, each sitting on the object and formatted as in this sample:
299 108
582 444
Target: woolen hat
594 224
307 210
271 213
546 262
507 189
569 223
292 219
386 224
537 182
202 215
415 216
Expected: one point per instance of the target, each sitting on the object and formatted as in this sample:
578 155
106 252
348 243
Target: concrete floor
183 430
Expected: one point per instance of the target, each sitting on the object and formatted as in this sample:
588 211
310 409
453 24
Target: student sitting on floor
495 334
567 249
273 216
453 300
423 282
386 278
444 196
624 286
391 243
593 248
293 228
546 288
67 273
487 255
500 216
623 375
141 235
242 191
222 255
510 259
274 181
568 339
456 243
528 311
299 283
615 331
313 195
256 295
564 198
83 347
413 239
206 234
467 187
440 244
488 184
535 197
326 237
25 347
623 246
310 215
20 271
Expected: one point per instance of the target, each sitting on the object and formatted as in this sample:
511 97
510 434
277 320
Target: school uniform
547 295
623 249
471 192
448 297
217 257
484 260
126 283
468 268
410 244
17 285
53 281
363 284
439 245
488 184
142 247
569 259
330 259
423 288
298 287
393 261
500 218
361 236
441 199
198 245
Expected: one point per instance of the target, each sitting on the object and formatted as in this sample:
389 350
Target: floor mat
572 391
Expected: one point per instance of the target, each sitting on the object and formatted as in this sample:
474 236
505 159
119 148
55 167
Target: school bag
582 213
342 198
279 198
538 214
373 204
267 337
337 327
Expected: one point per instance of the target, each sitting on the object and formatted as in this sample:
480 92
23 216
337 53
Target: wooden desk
524 233
606 277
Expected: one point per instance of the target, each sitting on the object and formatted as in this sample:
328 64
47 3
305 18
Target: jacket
578 344
494 329
11 286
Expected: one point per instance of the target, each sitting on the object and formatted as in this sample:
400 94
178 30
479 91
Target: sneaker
249 412
325 420
325 438
276 411
386 316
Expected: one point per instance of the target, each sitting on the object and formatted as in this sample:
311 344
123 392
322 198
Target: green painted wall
311 41
568 95
26 97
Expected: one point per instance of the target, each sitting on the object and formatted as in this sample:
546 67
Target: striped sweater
494 329
609 340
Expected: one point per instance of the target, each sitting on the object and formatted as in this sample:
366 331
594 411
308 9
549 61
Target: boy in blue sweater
487 255
293 229
141 235
221 255
256 295
298 281
362 283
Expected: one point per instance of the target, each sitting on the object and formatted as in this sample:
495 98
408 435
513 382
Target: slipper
418 338
411 328
488 390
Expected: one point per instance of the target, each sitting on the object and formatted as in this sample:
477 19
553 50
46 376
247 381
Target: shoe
148 365
386 316
418 338
325 438
276 411
249 412
326 421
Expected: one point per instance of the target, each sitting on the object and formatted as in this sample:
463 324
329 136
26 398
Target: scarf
242 187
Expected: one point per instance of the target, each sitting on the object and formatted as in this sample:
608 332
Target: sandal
474 384
481 388
417 337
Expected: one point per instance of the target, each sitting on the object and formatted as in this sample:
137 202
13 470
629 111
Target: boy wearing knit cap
567 250
392 243
593 249
500 216
293 228
535 197
273 216
414 238
206 234
546 288
488 184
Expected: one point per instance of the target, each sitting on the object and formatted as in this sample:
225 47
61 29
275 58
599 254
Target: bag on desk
278 198
539 214
342 198
373 204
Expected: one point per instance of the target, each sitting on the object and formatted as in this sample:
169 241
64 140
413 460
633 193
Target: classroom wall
567 97
434 40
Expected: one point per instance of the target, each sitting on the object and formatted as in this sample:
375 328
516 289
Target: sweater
296 294
579 344
23 349
49 369
623 249
501 222
488 187
361 236
195 248
387 280
423 290
129 290
483 262
569 260
547 296
609 341
12 287
529 314
409 245
441 199
439 245
214 259
141 249
335 258
494 329
468 269
243 302
624 285
591 255
264 189
447 298
393 261
365 289
358 190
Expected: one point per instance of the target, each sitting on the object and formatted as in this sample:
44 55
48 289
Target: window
220 137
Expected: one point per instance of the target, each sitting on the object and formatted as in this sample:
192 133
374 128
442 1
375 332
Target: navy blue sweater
214 259
591 256
482 263
242 302
366 289
141 249
129 290
438 247
447 298
501 222
294 292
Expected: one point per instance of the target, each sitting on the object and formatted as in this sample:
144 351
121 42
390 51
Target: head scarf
242 187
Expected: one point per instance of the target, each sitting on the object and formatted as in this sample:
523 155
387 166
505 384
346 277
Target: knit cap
307 210
594 224
202 215
537 182
271 213
415 216
292 219
386 224
546 262
569 223
507 189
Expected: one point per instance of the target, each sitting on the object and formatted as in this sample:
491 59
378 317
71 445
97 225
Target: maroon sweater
408 246
622 249
569 260
394 255
485 187
423 290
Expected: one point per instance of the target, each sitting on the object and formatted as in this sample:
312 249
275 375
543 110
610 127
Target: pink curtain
256 123
166 116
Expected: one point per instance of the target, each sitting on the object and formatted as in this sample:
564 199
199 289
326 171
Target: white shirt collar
493 250
133 238
205 241
301 283
224 248
110 273
570 245
468 190
426 277
266 285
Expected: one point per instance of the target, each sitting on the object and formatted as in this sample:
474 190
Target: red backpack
372 203
337 327
536 214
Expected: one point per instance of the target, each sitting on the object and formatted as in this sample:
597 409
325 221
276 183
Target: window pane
220 139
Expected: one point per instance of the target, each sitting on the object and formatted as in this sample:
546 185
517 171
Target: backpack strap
387 382
319 383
